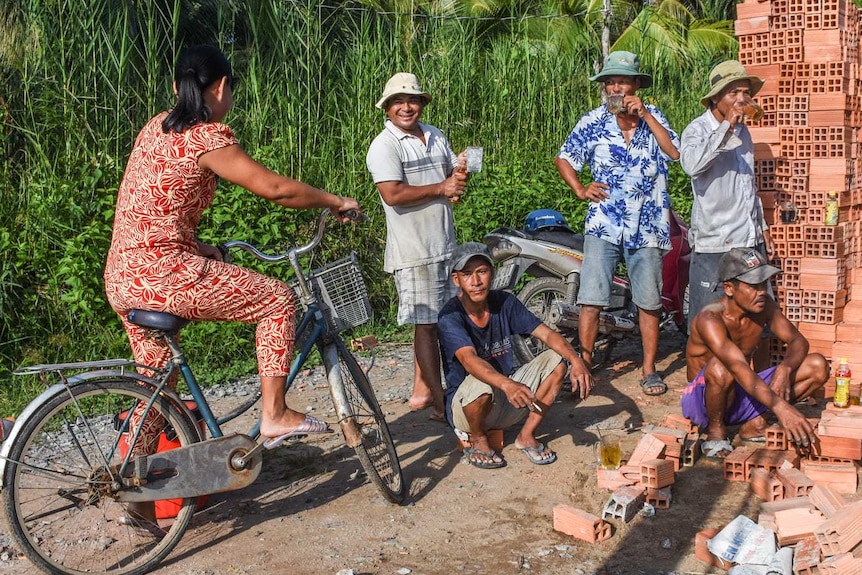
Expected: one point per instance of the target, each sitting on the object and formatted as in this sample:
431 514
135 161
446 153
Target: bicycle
67 477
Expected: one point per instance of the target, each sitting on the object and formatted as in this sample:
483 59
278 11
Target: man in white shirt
718 153
412 165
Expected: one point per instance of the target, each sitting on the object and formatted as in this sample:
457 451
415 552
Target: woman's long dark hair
197 68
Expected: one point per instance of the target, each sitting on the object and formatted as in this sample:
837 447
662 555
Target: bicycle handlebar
353 215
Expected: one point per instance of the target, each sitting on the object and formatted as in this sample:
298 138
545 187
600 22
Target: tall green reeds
83 76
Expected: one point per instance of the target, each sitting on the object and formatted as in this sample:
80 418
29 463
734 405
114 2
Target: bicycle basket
341 292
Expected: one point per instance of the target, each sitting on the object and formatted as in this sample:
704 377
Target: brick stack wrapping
806 145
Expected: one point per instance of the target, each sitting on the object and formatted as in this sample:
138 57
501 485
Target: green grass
79 78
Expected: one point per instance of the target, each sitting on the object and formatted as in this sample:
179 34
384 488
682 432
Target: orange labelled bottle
842 384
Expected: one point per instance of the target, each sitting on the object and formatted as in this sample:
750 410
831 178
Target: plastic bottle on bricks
830 214
842 384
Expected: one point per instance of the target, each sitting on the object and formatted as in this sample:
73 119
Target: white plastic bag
744 542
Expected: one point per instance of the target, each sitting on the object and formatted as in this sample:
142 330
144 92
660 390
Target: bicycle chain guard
197 469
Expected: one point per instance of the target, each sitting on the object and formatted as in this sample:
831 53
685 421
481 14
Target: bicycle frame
81 464
312 320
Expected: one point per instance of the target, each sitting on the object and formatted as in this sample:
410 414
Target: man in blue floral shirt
627 145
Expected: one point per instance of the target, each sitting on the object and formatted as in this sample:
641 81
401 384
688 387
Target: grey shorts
503 414
422 291
600 261
703 285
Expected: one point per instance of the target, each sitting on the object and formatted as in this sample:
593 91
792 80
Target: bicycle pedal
141 466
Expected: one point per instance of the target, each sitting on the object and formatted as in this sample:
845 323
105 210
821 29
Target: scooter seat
561 237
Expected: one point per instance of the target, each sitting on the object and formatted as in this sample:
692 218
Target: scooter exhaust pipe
567 316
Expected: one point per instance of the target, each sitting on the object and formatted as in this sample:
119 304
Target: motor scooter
542 265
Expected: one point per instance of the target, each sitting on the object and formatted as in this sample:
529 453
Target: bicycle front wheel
376 451
62 482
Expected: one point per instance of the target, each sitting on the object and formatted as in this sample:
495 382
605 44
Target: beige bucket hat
402 83
725 74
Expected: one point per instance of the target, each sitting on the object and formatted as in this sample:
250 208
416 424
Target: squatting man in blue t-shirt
483 388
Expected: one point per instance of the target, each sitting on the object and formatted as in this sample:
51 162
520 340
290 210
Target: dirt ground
312 511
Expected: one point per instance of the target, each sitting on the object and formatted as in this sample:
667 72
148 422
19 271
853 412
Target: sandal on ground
652 384
758 439
540 455
142 524
309 426
713 447
491 459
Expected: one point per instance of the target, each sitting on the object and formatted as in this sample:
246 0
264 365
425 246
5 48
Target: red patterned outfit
155 264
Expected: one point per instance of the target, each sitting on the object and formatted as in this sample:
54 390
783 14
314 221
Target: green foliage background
79 78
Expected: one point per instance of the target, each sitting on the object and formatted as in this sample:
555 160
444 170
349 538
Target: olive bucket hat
623 64
725 74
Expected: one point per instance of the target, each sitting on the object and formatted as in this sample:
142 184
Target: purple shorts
744 407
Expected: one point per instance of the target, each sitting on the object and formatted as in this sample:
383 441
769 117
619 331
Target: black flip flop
489 455
653 381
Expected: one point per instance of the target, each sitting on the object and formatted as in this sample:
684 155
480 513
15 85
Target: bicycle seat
159 320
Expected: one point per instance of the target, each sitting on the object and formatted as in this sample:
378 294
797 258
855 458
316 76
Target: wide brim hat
725 74
623 64
402 83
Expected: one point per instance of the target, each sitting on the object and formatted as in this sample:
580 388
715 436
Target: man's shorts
600 262
503 414
744 407
422 291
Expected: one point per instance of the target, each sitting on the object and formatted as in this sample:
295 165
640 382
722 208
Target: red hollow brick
580 524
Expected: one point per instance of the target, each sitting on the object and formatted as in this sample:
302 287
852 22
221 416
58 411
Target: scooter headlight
501 248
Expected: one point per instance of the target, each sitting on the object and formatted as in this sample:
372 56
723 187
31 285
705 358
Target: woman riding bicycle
156 262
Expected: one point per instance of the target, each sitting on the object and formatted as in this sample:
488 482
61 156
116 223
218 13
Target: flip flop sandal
758 439
713 447
149 526
653 381
487 463
539 454
309 426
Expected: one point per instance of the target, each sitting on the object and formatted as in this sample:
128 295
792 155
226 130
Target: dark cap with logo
746 265
467 251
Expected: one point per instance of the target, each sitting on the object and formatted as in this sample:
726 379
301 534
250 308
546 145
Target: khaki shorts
503 414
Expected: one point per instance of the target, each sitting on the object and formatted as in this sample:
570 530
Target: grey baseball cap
746 265
467 251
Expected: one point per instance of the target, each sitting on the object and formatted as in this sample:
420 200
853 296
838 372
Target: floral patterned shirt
637 213
160 202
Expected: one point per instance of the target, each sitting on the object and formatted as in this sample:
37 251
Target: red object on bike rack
169 508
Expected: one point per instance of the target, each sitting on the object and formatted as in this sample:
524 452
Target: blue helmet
544 219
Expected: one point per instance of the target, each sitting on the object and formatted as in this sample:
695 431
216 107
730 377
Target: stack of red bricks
647 477
806 145
804 491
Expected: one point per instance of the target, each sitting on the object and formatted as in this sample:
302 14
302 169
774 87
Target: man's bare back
745 332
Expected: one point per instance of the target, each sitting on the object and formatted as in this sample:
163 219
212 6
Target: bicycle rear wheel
376 451
61 483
